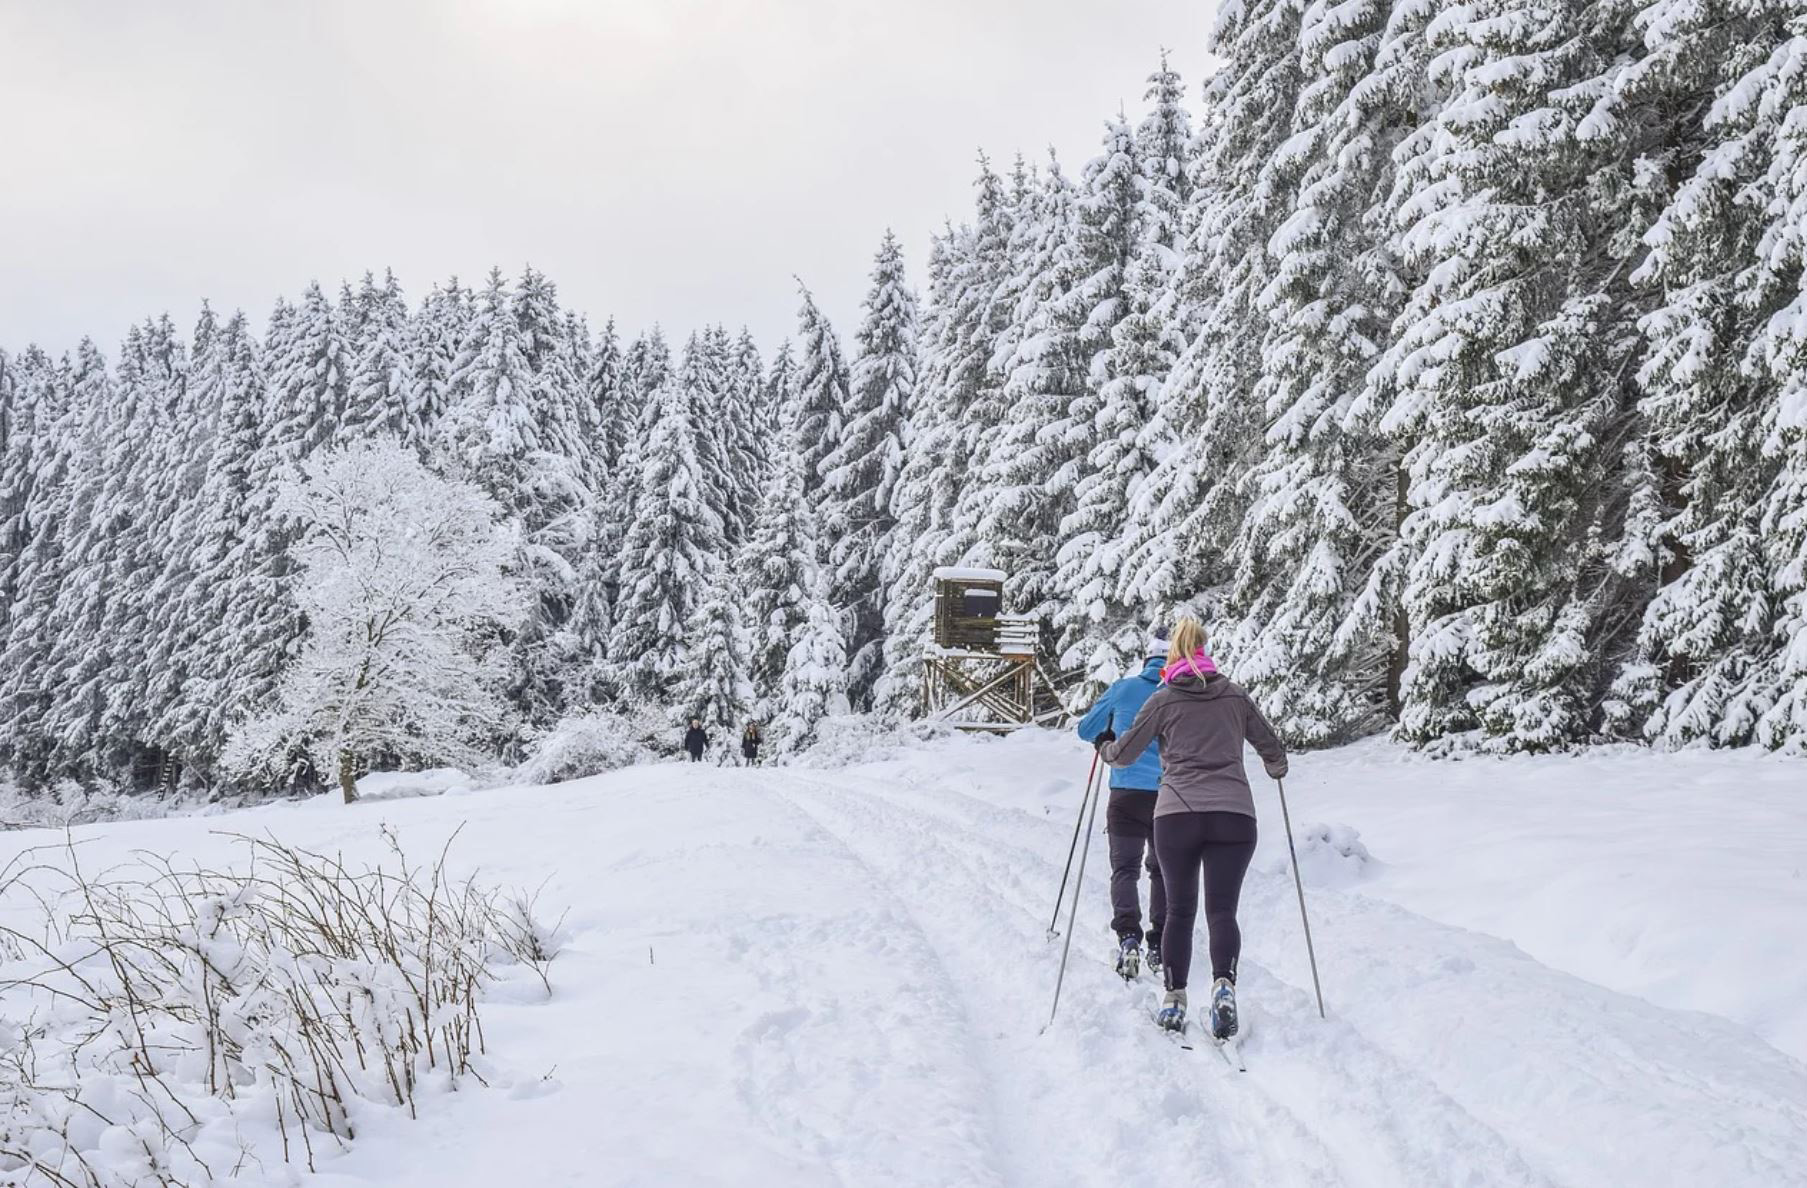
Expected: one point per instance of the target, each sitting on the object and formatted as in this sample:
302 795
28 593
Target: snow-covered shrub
587 744
846 739
177 1026
69 803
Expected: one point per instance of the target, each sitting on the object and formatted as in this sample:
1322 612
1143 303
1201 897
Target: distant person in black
695 740
749 743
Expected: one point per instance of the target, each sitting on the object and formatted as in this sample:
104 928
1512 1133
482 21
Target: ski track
855 1079
1450 1058
1357 1128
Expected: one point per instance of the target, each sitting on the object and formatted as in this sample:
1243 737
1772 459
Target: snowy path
1486 1068
840 978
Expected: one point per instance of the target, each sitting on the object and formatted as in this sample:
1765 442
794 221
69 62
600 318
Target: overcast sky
669 161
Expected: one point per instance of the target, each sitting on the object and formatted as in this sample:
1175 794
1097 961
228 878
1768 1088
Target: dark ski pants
1222 844
1129 819
696 756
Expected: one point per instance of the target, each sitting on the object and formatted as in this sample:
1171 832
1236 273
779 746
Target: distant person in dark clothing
695 740
749 743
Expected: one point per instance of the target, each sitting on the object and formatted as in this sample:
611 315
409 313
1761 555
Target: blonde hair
1188 638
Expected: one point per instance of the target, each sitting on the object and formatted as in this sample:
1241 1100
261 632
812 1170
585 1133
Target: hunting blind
983 669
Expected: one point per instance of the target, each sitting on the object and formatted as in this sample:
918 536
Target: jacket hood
1151 668
1216 685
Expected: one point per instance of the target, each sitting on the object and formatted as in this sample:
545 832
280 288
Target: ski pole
1078 882
1062 894
1300 885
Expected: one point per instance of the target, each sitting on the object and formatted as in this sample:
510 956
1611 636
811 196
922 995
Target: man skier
1129 817
695 740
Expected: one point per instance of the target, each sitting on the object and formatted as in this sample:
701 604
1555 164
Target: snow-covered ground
1566 971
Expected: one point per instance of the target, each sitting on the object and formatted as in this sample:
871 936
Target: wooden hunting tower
983 671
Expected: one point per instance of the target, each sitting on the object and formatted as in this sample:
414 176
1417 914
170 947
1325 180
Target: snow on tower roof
957 573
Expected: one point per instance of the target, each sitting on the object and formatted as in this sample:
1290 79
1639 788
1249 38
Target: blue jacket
1116 710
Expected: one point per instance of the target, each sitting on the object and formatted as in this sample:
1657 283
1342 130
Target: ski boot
1129 957
1153 958
1223 1009
1172 1015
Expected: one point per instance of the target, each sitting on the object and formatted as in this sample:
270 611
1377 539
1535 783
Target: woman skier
1129 815
1205 814
749 743
695 740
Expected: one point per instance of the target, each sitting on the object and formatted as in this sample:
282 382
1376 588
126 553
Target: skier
695 740
1129 816
1205 815
749 743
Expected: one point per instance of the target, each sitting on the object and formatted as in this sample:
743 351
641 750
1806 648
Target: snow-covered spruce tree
29 392
742 441
79 655
1713 408
862 470
309 364
177 625
814 683
1146 343
1311 626
703 373
494 434
714 685
614 415
961 364
1031 460
668 557
43 454
1781 679
436 337
577 351
145 493
777 566
593 609
229 657
554 360
380 397
404 580
776 406
758 424
1183 520
1509 378
1103 421
923 501
821 391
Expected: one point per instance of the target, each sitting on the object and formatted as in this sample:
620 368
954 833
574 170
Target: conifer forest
1448 362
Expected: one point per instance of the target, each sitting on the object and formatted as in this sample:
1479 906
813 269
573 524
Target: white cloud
673 161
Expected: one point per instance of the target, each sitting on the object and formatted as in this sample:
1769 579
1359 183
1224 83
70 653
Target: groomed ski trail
1451 1056
1126 1093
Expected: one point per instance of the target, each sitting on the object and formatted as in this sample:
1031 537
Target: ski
1231 1051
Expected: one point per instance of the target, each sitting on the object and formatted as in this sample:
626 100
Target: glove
1275 771
1108 736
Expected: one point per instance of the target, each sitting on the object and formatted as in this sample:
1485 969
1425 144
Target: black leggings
1223 844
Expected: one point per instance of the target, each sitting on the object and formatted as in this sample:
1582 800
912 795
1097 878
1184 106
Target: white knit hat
1159 637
